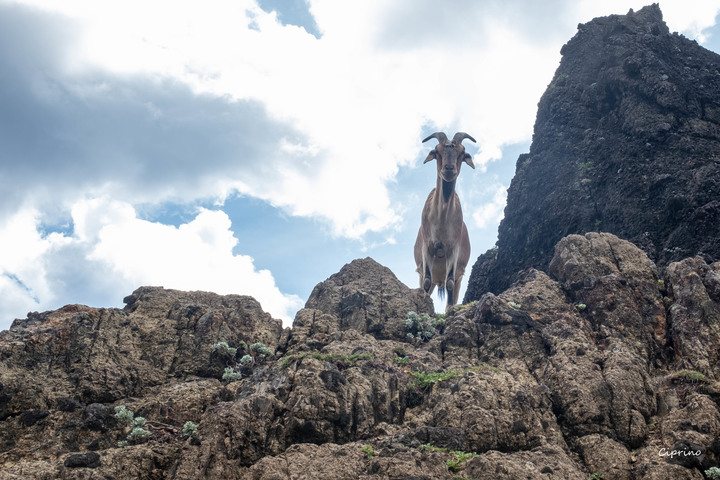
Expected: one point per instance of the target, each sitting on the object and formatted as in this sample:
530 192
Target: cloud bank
111 250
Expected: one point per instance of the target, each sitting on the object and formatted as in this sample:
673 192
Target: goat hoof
427 284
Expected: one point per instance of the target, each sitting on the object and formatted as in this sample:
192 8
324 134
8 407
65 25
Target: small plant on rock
460 457
261 350
285 362
230 375
692 376
424 380
123 414
137 433
422 327
136 424
368 450
223 348
343 360
596 476
713 473
401 360
190 430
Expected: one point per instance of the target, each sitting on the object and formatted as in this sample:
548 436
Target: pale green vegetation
137 431
422 327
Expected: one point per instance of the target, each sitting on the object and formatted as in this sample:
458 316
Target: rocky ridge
626 141
597 366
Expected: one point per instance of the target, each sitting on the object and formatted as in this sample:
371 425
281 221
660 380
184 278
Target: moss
347 360
691 376
424 380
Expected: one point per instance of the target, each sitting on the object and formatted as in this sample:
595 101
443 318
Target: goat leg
450 286
427 283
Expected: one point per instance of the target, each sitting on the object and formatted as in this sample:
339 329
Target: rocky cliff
626 141
597 366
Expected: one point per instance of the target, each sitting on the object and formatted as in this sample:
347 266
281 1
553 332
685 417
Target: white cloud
361 95
114 251
361 106
22 284
490 213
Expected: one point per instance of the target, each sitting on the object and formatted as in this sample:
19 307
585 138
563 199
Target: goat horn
441 137
460 136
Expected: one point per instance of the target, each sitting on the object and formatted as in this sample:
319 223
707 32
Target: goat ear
431 156
468 159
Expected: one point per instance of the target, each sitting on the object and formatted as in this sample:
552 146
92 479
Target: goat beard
448 188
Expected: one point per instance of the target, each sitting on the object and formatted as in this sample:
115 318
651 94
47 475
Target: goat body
442 248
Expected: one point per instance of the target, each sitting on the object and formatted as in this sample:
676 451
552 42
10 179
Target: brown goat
442 248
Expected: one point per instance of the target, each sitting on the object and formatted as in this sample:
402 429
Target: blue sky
255 147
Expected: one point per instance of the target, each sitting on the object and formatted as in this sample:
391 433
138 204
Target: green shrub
596 476
368 450
460 457
422 327
291 358
713 473
401 360
123 414
424 380
136 424
190 429
261 350
223 348
230 375
137 433
346 360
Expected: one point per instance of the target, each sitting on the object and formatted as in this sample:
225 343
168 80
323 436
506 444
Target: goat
442 248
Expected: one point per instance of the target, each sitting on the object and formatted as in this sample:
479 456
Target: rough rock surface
597 366
626 141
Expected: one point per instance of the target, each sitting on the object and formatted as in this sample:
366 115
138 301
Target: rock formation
599 363
626 141
597 366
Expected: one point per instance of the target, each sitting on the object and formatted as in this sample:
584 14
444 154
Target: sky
254 147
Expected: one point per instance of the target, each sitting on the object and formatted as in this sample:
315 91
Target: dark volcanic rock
83 460
626 141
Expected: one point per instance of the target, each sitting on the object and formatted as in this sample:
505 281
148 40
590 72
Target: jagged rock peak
626 141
